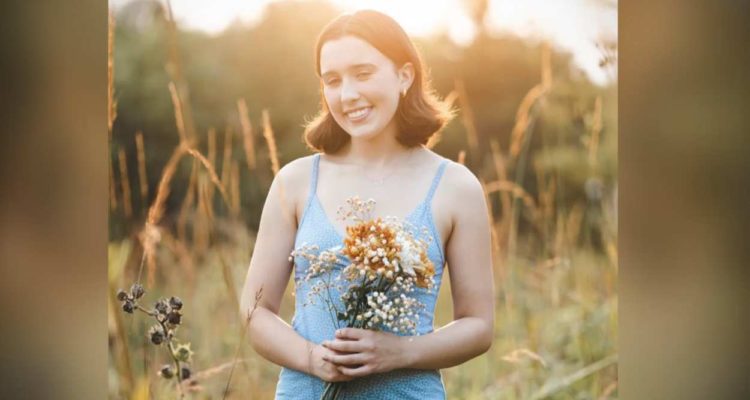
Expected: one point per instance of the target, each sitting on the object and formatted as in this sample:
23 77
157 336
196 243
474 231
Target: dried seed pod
137 291
174 317
185 373
128 306
156 334
161 306
167 371
183 353
122 295
175 303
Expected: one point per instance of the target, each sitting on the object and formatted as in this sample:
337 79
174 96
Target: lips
358 114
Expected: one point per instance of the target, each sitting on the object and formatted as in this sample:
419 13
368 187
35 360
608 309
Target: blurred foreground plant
168 316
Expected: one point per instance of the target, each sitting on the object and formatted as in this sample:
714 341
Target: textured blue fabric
315 323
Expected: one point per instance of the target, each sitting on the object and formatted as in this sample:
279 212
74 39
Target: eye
331 81
363 75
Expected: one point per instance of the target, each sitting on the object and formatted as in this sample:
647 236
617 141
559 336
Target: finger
345 359
350 333
351 346
356 372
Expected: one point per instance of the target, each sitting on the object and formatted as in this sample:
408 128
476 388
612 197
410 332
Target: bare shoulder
294 179
462 197
296 171
461 182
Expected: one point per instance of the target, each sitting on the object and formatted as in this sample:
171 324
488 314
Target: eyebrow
353 67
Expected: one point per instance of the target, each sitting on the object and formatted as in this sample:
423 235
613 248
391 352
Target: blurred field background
200 121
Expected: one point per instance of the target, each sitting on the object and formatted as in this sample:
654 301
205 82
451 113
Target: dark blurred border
53 236
684 133
684 205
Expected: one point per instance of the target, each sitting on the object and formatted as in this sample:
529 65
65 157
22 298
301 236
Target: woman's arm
270 269
470 334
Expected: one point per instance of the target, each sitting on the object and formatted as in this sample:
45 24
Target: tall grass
556 312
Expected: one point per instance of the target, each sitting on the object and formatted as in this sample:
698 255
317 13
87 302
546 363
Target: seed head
128 306
122 295
166 371
156 334
161 306
137 291
174 317
185 373
183 352
175 303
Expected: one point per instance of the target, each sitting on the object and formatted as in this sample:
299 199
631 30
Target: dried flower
183 352
175 303
166 371
185 373
174 317
156 334
128 306
137 291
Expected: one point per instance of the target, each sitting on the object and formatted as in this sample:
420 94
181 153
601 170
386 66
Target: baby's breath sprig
168 316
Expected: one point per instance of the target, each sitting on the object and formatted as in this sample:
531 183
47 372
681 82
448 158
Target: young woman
378 112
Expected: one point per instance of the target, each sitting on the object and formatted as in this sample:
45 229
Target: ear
406 75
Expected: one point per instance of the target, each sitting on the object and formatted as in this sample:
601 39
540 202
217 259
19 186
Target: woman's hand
324 369
361 352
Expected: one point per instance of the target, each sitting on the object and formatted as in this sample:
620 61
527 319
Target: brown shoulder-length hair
419 115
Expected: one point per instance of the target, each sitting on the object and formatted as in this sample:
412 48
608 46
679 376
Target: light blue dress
314 321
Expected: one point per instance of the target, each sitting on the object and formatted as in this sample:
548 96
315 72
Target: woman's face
361 86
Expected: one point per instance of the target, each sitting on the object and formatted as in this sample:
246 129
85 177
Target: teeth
359 113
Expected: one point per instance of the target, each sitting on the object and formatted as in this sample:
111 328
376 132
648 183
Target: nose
349 92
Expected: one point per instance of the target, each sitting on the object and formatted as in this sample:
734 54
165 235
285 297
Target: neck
376 151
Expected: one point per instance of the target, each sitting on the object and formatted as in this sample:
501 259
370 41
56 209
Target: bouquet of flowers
385 262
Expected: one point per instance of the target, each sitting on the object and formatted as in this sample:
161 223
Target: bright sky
572 25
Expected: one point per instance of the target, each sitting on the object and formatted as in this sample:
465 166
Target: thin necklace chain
381 180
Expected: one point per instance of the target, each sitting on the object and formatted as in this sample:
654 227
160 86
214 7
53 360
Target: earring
403 93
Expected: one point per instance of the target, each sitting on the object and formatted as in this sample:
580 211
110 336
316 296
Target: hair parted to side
419 115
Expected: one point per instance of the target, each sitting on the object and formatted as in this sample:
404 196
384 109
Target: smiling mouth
358 114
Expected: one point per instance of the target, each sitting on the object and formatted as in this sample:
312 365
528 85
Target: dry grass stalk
247 134
245 328
546 66
122 338
608 391
142 177
502 175
517 191
226 161
229 281
178 115
212 158
187 202
182 253
151 235
467 116
543 189
211 172
125 183
573 224
554 385
273 152
461 159
536 92
516 356
201 224
111 105
234 183
495 239
156 211
522 118
112 187
596 129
